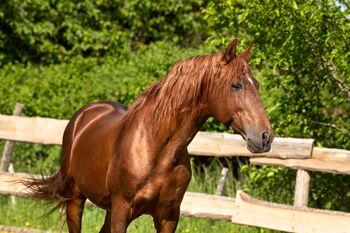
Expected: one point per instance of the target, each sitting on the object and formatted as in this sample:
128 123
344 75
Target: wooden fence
286 152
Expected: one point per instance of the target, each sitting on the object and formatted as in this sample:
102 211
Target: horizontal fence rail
50 131
331 165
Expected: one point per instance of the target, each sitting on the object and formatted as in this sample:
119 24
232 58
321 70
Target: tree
53 31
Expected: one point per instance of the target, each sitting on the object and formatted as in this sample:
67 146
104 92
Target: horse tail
57 188
53 189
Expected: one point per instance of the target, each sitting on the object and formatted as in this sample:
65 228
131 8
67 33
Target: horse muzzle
259 144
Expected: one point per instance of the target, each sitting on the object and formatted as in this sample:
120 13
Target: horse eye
236 86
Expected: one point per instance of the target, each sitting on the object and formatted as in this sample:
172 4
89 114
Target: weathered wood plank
11 170
194 204
32 129
223 144
50 131
202 205
222 181
330 154
301 193
8 148
288 218
331 166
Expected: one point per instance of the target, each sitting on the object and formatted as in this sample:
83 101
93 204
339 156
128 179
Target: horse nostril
265 138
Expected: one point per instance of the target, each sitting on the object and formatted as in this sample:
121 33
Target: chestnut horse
134 162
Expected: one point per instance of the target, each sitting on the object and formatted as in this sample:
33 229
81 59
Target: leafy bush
269 183
55 31
58 90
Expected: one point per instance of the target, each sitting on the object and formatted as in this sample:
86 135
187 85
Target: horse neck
178 126
176 107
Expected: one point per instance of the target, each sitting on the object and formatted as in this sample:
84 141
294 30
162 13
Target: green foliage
36 158
54 31
270 184
58 90
205 176
330 191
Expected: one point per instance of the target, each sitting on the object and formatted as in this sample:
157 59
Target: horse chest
164 189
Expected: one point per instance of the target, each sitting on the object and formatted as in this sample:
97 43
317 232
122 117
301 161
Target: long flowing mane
181 88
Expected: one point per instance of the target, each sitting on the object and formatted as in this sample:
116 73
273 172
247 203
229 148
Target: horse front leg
120 215
166 219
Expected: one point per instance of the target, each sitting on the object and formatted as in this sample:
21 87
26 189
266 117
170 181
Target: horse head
236 100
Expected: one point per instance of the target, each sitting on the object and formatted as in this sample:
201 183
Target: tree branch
341 83
331 125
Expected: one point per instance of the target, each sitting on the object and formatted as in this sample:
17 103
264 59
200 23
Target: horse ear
246 53
230 51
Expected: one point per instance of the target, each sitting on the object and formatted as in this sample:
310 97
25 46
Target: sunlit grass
26 213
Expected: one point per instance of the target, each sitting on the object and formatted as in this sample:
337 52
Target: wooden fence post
222 181
301 194
6 155
12 170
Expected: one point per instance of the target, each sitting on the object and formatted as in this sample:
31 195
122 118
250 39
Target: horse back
91 112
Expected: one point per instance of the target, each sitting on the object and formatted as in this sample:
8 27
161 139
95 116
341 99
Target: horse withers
135 161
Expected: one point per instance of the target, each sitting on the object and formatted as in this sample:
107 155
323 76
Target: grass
27 212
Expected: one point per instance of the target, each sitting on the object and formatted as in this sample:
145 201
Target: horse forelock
185 85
